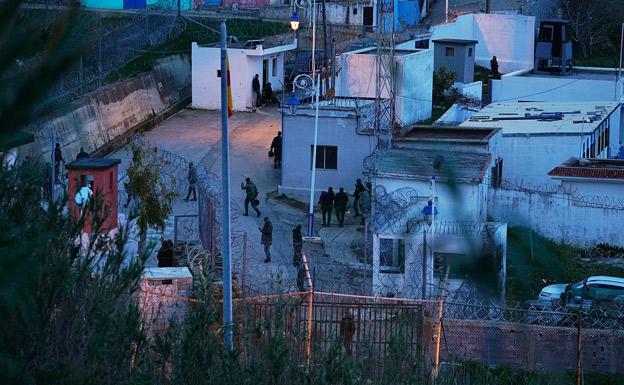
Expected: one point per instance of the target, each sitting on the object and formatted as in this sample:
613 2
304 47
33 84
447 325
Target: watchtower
101 176
553 50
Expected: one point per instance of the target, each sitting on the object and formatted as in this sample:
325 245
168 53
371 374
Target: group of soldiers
340 201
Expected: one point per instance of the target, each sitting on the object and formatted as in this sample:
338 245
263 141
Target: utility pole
325 51
53 163
225 178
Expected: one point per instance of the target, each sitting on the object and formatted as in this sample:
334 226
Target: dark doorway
265 72
368 16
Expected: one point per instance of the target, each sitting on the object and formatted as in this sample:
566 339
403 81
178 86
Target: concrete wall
527 347
414 82
114 111
298 133
550 88
582 186
461 202
530 158
511 38
460 62
574 219
471 90
456 114
207 86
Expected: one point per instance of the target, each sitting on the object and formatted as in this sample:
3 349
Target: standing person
267 238
494 68
340 206
83 194
326 201
276 147
365 202
58 158
129 193
192 181
255 87
82 154
359 188
297 260
251 196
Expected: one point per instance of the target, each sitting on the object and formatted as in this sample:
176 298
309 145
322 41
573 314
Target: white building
246 60
591 177
511 38
583 85
536 136
413 81
344 140
460 160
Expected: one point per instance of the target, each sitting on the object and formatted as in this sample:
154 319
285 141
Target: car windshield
578 285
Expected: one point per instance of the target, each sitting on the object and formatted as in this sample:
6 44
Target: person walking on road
58 159
326 201
251 196
340 206
297 258
267 238
82 154
255 87
276 148
192 182
359 188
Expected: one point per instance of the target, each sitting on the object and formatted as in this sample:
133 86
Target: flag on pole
229 88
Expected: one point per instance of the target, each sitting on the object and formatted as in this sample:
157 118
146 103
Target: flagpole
225 178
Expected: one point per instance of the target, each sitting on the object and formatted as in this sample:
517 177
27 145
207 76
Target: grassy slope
551 263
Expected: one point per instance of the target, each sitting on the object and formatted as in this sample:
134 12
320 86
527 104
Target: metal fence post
244 279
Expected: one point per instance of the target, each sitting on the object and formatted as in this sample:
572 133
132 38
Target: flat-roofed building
537 135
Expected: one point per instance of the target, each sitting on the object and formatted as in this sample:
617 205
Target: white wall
511 38
206 61
456 114
298 136
462 202
414 82
528 159
587 187
414 87
560 217
471 90
555 89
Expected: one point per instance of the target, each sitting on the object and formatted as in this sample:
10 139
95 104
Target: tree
443 81
588 21
151 185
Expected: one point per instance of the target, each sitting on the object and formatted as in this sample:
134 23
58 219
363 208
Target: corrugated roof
418 164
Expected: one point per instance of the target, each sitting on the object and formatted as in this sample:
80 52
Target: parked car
552 293
594 290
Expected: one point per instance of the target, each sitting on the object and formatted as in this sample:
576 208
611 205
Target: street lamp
294 21
292 102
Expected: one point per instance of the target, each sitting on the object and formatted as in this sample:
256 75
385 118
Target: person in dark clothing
192 182
365 202
251 195
340 206
82 154
267 94
165 255
297 260
267 238
359 188
276 147
494 68
326 201
255 87
129 193
347 330
58 159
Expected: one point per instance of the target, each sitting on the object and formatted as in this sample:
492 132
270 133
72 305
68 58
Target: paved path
196 136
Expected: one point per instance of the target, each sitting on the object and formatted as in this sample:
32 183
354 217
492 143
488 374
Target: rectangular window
450 51
355 11
470 52
392 255
326 157
274 67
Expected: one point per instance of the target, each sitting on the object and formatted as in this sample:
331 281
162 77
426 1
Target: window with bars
392 255
326 157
